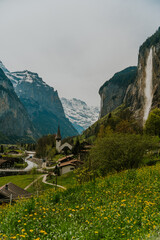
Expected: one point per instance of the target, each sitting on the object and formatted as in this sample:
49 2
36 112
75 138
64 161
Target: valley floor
120 206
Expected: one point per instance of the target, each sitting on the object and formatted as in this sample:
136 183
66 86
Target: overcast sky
75 45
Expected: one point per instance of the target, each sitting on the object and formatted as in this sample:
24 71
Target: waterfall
148 85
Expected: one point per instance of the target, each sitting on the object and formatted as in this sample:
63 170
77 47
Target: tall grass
120 206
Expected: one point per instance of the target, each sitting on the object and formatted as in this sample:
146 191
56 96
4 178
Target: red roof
67 164
76 161
71 162
65 158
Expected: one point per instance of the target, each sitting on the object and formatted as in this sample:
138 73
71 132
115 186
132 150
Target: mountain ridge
14 121
113 91
79 113
41 102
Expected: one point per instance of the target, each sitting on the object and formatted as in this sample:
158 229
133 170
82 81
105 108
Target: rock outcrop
113 91
14 120
144 93
136 87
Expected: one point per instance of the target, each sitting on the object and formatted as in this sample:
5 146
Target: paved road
30 164
27 169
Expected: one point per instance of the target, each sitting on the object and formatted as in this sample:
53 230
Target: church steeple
58 140
58 136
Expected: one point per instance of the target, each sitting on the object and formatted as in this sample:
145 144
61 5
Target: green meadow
20 180
120 206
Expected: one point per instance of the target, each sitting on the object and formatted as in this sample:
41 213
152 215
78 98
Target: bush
117 152
20 165
152 126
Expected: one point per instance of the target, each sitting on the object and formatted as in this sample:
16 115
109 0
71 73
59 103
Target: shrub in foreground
116 152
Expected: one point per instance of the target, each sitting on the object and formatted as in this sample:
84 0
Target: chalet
66 167
59 146
11 191
69 166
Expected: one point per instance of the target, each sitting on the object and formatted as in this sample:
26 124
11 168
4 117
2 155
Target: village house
68 164
10 192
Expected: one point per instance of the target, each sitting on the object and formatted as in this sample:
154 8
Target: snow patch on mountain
79 113
11 76
29 77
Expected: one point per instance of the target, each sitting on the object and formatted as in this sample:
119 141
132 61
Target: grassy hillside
119 120
120 206
20 180
66 180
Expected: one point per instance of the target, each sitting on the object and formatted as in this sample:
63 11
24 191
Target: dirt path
33 182
44 181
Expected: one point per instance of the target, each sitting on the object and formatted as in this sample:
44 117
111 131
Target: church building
59 146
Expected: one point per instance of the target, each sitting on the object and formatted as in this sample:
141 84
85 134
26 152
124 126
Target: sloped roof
67 164
72 162
65 158
13 189
76 161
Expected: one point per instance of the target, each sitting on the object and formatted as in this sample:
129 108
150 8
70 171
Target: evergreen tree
2 149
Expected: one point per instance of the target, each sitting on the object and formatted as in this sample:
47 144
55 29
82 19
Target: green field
20 180
66 180
39 187
120 206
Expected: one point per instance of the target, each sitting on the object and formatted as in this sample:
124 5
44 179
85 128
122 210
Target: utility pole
11 199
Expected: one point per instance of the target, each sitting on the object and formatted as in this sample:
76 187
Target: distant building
11 191
68 164
59 146
66 167
65 159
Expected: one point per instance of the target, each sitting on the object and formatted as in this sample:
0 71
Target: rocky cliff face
79 113
14 120
42 103
113 91
144 93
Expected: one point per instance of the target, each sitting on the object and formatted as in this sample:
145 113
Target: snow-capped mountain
14 119
79 113
11 77
41 102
